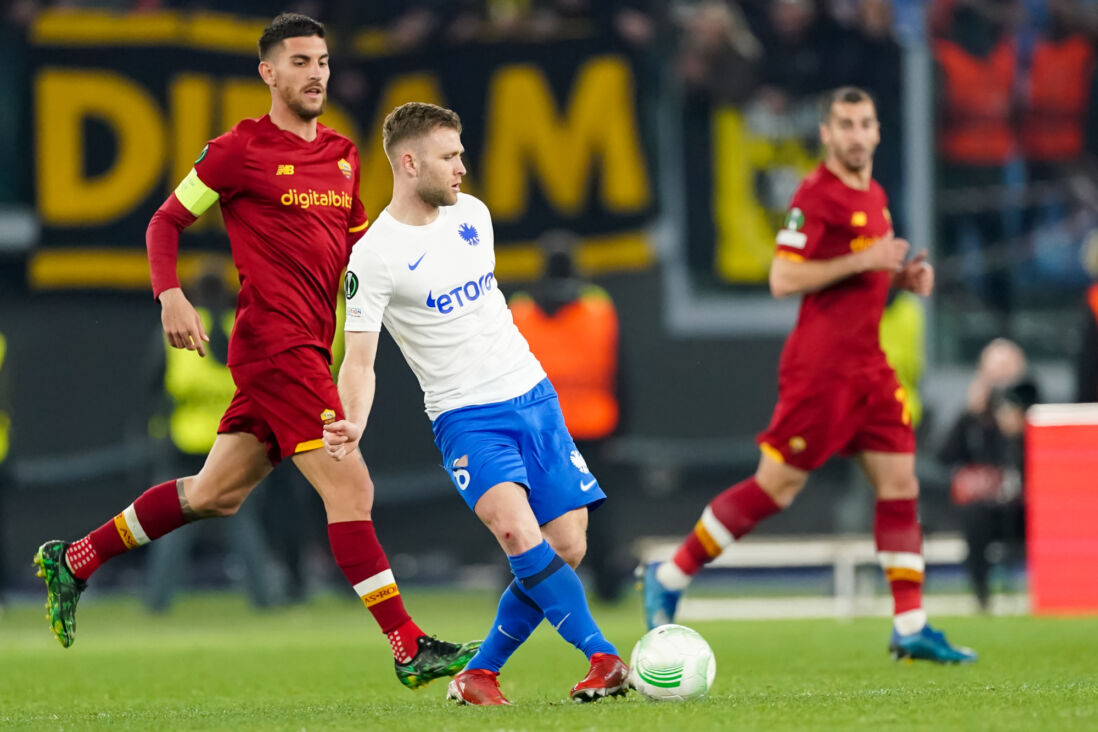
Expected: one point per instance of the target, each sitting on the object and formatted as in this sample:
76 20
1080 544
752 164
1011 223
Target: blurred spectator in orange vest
572 328
977 65
1055 103
1057 92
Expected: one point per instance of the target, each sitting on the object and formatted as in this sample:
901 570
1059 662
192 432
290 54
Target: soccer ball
672 663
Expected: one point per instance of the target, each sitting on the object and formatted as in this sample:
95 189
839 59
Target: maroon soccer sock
729 516
359 554
155 512
900 552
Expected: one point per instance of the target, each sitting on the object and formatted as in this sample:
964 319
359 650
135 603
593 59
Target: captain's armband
195 195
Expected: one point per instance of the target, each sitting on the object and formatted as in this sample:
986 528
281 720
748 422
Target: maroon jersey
837 329
289 206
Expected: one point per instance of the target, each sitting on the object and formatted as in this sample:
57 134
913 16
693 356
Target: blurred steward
572 328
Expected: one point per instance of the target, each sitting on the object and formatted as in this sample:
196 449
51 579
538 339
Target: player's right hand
887 253
182 326
341 438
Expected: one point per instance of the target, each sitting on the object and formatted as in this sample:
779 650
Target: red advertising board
1062 508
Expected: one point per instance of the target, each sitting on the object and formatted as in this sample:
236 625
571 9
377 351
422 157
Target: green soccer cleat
62 590
435 659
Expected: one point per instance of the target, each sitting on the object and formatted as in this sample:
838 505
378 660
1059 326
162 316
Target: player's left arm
357 385
917 275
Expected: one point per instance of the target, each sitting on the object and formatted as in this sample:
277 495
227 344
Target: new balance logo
285 170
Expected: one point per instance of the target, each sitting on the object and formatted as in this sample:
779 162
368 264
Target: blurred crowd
1016 121
1015 115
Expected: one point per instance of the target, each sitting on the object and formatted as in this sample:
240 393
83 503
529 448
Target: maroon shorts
284 400
818 417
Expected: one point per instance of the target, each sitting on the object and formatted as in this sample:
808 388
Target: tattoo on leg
189 514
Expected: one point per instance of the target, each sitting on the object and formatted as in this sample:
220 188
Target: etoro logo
461 295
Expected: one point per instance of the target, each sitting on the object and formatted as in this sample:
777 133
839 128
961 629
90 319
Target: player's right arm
191 198
368 287
793 276
795 271
357 384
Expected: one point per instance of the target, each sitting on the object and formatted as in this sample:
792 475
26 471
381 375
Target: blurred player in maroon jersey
288 190
837 394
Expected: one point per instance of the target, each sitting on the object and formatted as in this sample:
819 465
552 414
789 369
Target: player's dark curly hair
842 95
287 25
415 119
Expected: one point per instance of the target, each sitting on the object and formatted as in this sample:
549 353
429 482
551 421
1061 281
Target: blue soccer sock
516 619
554 586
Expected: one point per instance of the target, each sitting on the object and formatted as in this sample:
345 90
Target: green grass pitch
213 664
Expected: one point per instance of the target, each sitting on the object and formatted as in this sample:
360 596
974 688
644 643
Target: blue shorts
522 440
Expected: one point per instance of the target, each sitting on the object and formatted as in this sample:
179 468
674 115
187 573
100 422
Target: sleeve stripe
358 228
195 195
791 256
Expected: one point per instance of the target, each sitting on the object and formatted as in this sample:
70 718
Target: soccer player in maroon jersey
836 392
288 190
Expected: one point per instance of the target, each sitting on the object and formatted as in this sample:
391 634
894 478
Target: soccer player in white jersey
424 269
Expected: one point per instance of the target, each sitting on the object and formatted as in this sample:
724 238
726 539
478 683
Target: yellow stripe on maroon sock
379 588
124 532
903 573
712 548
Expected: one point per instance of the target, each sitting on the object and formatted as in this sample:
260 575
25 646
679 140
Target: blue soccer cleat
660 603
929 645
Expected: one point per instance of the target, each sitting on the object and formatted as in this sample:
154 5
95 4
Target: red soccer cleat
477 686
606 678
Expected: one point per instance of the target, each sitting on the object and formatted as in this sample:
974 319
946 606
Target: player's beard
437 195
854 163
299 106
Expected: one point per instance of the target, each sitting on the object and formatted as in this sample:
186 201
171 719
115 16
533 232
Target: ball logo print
666 677
672 663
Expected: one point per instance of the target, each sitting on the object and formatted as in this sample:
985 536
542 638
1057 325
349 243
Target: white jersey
434 289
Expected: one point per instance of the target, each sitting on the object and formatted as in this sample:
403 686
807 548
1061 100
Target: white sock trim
372 584
902 560
134 526
716 529
909 622
671 577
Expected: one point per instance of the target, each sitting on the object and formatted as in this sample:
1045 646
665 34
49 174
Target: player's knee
513 535
212 505
782 492
572 550
903 488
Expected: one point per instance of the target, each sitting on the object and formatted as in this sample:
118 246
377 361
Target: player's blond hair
415 119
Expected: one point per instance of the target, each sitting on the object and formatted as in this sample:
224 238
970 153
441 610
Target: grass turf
213 664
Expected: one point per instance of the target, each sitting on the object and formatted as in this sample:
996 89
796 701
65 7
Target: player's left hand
916 275
341 438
